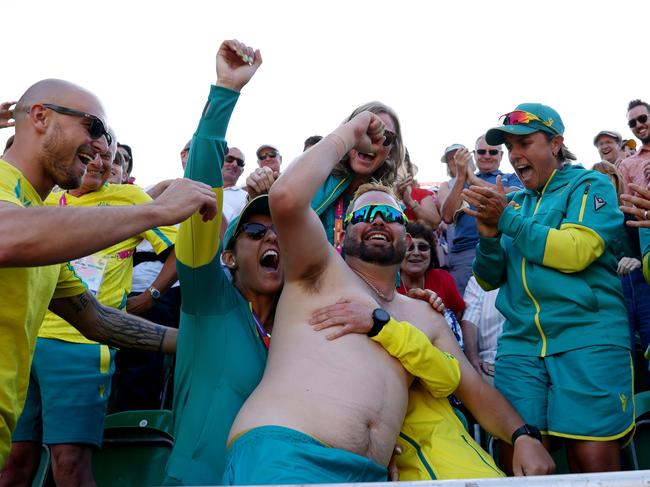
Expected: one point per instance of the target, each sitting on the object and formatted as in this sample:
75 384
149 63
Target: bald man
58 130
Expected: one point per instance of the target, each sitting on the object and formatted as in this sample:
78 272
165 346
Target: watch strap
527 430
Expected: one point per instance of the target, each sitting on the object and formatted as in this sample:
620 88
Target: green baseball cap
256 206
527 118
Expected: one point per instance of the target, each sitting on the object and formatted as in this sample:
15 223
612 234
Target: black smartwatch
526 429
379 319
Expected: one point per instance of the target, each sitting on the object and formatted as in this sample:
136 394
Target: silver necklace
377 291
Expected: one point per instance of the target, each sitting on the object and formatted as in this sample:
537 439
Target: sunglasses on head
255 231
422 247
389 138
231 159
492 152
96 128
368 213
641 119
268 155
519 117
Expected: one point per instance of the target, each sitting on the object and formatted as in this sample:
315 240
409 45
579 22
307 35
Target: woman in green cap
563 359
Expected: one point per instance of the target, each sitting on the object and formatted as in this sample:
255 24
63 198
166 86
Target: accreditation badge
91 271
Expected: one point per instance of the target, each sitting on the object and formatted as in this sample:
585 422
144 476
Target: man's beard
646 140
383 256
53 154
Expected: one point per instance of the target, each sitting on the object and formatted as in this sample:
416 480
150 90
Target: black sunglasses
641 119
492 152
268 155
422 247
255 231
96 128
231 159
389 138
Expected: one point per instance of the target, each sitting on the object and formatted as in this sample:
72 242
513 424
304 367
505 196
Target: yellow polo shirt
25 293
108 274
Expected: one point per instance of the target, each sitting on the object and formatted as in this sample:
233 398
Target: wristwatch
379 319
526 429
154 292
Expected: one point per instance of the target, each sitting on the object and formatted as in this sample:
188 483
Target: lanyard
338 225
261 331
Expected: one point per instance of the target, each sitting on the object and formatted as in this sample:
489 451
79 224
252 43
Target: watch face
381 315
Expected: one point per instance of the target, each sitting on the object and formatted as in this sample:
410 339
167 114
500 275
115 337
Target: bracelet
415 205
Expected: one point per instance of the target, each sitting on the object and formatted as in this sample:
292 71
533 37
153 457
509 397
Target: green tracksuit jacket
555 264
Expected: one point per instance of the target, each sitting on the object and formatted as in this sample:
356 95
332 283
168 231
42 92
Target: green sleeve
438 371
197 243
489 266
592 222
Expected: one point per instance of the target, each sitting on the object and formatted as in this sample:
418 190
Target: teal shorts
583 394
69 385
274 455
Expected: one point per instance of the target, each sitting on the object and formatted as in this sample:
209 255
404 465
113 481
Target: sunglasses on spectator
267 155
422 247
96 128
492 152
519 117
389 138
368 213
255 231
231 159
641 119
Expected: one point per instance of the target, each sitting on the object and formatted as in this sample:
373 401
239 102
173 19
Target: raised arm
453 202
304 245
197 244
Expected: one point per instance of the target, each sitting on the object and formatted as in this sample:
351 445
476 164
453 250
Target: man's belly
348 393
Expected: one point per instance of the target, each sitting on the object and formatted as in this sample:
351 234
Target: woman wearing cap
563 359
225 325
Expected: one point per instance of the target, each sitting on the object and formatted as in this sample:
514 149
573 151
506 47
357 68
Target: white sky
449 68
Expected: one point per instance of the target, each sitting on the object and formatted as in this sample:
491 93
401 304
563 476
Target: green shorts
69 385
274 455
582 394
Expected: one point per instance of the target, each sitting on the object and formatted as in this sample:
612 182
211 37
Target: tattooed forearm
120 329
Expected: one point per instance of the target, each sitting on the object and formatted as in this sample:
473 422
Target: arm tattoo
120 329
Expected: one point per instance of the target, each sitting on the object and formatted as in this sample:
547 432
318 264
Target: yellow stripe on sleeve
198 241
572 248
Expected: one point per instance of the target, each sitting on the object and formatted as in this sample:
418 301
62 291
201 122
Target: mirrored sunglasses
519 117
368 213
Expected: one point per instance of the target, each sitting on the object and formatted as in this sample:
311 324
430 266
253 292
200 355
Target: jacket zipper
479 454
523 275
418 450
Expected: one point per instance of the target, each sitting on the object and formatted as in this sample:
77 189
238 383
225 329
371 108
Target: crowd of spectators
520 299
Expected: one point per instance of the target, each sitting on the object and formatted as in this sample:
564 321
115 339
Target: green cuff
506 221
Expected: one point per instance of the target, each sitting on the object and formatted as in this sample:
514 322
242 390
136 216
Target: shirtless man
339 400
